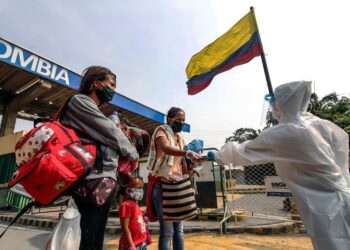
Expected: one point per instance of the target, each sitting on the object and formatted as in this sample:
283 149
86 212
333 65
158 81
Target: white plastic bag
67 233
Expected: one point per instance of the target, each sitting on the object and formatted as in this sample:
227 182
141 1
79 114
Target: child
134 232
139 138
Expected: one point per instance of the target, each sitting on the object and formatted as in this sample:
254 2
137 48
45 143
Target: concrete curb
37 222
209 217
273 229
266 230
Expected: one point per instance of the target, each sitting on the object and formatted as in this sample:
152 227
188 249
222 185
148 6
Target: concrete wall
8 142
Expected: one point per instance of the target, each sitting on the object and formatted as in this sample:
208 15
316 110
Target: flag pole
263 59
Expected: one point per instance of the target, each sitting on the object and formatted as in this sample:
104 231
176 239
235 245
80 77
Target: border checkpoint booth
31 87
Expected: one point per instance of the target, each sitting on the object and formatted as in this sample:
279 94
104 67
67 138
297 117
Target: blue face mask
136 193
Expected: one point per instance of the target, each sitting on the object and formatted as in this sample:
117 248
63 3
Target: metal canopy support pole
8 121
228 210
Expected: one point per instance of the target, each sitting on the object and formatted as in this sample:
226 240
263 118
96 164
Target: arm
85 116
229 153
163 144
124 223
257 151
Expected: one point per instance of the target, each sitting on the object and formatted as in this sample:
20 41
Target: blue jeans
168 230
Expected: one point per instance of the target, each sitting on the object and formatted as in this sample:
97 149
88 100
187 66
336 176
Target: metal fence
258 191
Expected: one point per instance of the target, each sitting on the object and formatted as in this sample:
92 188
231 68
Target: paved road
31 238
236 242
23 237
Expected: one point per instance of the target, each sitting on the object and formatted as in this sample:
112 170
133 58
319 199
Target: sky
149 43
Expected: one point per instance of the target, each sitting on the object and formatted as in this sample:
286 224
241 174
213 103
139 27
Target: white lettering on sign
43 67
18 54
63 74
8 50
27 60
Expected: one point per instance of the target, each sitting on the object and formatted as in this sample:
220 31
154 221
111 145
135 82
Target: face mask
105 95
136 193
177 126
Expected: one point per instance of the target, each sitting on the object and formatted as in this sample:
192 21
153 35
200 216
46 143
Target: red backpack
60 161
51 159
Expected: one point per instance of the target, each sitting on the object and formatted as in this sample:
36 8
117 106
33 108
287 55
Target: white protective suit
311 156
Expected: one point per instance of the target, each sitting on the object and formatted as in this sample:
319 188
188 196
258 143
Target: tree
332 108
243 134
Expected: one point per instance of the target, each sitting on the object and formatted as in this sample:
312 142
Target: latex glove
193 156
212 155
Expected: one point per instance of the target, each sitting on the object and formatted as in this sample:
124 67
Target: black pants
93 224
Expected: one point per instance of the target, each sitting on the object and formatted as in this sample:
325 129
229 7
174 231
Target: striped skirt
179 201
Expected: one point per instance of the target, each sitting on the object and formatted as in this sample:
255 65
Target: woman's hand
193 156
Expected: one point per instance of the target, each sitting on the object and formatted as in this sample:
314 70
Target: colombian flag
237 46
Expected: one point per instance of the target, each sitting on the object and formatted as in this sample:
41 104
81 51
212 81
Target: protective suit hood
291 100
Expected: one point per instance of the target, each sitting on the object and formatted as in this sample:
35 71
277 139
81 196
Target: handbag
179 201
96 192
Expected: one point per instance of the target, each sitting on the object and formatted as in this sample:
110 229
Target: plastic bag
67 233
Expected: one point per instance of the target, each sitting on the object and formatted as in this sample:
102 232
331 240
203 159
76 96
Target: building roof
41 86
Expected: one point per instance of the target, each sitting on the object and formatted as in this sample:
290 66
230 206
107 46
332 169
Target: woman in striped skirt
168 169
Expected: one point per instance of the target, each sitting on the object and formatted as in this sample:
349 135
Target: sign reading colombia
14 55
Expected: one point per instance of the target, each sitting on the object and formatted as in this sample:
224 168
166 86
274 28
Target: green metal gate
9 198
7 167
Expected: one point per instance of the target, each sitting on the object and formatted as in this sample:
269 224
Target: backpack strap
24 210
99 160
58 115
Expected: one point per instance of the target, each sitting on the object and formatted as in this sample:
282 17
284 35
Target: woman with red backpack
95 194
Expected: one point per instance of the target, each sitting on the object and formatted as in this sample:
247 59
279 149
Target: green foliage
333 109
243 134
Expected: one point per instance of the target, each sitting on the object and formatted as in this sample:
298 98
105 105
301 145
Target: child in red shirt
134 232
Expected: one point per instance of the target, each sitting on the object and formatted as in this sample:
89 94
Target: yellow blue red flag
237 46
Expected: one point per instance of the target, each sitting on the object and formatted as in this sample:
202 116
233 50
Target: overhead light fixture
27 86
50 102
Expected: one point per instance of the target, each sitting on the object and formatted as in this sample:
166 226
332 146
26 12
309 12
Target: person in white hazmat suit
311 156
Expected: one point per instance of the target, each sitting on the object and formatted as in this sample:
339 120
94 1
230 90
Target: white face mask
136 193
